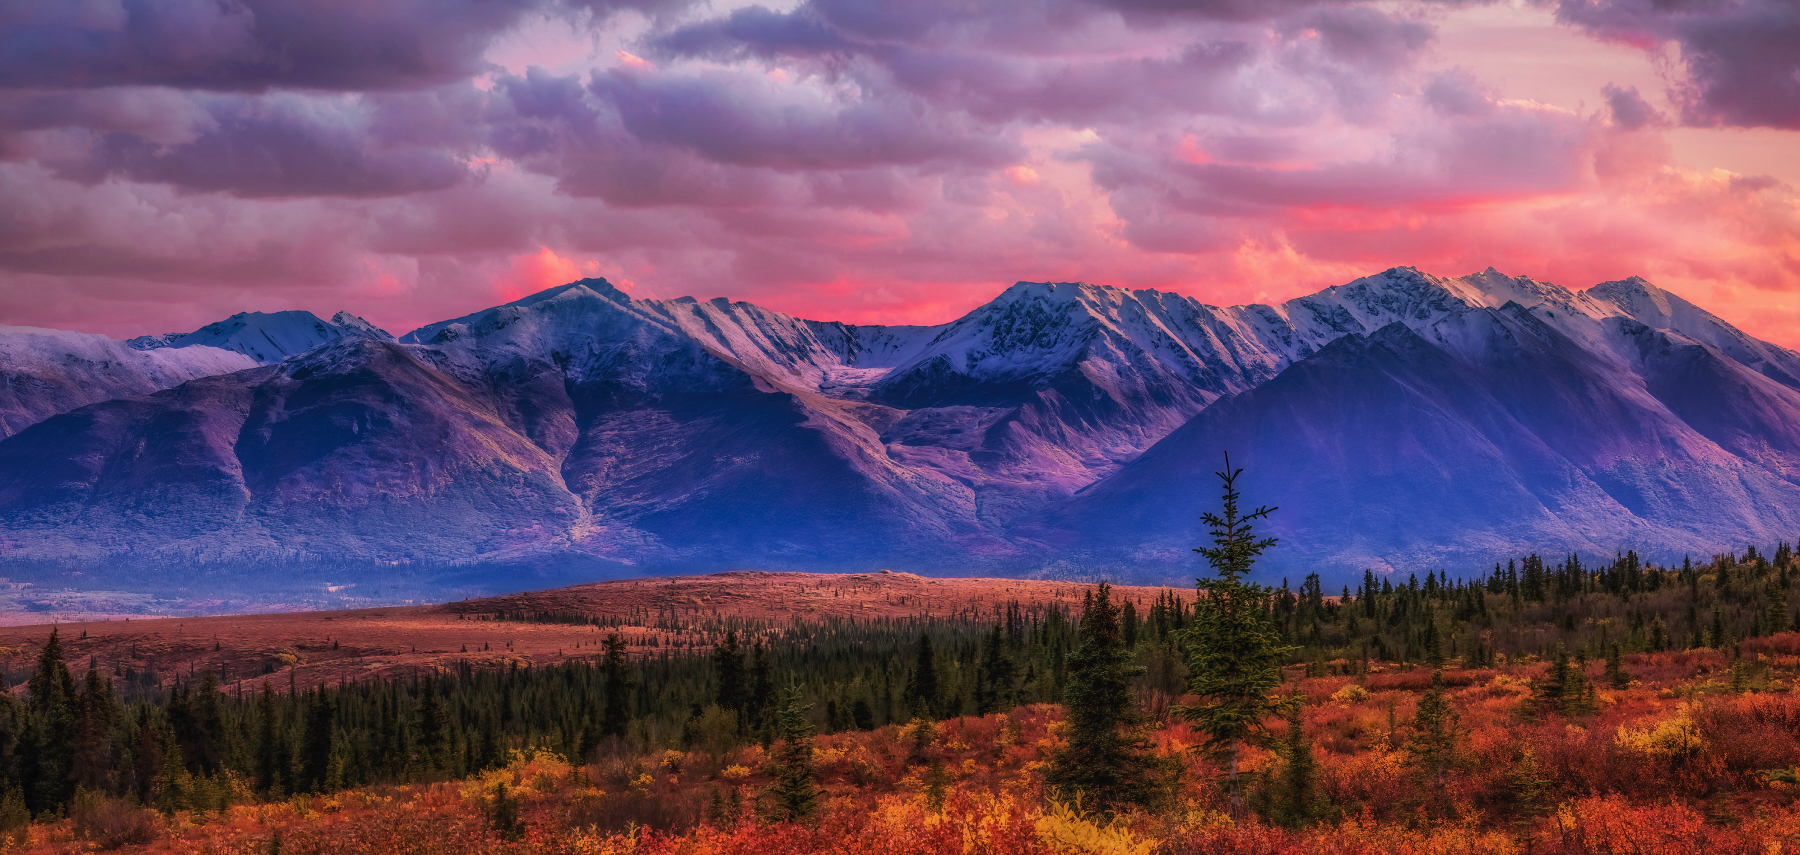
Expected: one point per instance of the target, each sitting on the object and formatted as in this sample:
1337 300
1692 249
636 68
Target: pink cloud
873 163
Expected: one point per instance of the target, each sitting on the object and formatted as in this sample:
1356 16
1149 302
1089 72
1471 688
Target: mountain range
1401 422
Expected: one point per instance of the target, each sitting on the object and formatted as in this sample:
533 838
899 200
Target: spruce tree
615 716
50 731
795 792
503 814
433 729
1615 667
728 667
1297 799
317 743
762 689
922 692
994 681
1234 649
92 760
1434 745
1109 761
1565 689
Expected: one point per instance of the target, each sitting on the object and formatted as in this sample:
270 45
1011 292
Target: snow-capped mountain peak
347 321
266 337
1658 309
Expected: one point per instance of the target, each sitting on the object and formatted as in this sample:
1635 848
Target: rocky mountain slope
1401 421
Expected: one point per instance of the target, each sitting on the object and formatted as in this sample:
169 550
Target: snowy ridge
266 337
1661 310
46 372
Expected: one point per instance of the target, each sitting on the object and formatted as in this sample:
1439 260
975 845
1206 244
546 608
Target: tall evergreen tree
49 737
795 792
922 692
1109 761
994 682
1434 745
91 764
728 669
317 743
615 715
433 729
1234 648
762 689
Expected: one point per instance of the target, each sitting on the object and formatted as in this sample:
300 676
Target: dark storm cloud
1368 38
256 44
756 31
276 146
723 138
996 86
1198 79
977 59
1628 109
747 120
1741 57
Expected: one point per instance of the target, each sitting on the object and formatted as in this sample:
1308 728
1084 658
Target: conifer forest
1564 705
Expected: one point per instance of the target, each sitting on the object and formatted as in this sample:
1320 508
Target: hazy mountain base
46 591
43 591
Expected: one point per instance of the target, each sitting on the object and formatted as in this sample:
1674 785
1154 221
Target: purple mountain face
1401 421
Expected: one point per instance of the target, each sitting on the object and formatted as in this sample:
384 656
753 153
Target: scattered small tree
1296 799
1565 689
1234 650
1615 667
503 813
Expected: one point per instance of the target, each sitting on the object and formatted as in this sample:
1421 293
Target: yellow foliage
1669 739
524 773
1510 684
735 772
1066 831
1203 820
1350 694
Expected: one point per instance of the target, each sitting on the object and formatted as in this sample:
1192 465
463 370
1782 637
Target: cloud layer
164 163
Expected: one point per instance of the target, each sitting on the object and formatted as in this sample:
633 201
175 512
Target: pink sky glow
883 161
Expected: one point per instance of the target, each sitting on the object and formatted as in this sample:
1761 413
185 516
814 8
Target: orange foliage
1675 764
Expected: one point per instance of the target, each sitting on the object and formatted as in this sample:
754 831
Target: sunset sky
165 163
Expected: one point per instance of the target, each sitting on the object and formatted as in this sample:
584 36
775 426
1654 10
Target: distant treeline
193 745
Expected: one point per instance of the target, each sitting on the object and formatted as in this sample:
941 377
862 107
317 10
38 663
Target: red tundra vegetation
1696 754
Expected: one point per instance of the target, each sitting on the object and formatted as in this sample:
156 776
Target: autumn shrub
110 823
1366 835
1418 680
609 812
1610 824
1746 736
969 823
